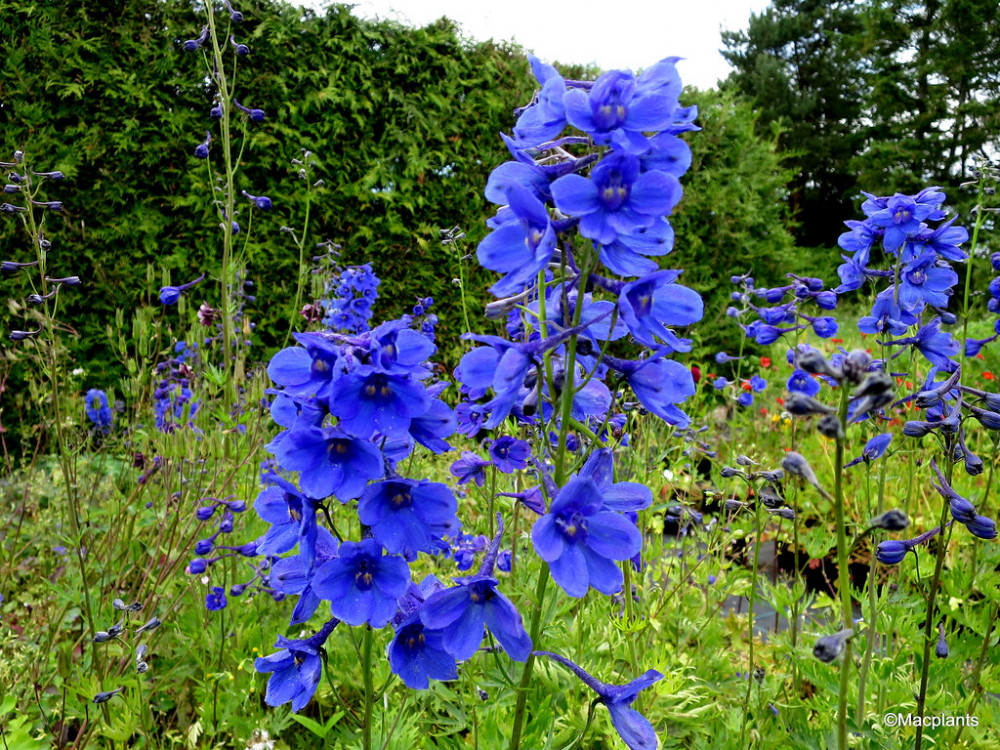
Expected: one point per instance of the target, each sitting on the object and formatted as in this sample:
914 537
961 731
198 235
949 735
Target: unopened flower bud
829 647
891 520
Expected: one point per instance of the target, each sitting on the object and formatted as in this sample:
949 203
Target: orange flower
836 341
781 401
980 356
988 375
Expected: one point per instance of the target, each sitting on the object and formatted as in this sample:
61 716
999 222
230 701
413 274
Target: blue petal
613 536
634 729
570 571
505 623
575 195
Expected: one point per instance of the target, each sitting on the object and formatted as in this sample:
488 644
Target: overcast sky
627 34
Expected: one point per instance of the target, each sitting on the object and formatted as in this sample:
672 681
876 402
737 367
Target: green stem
752 603
843 572
522 688
217 70
366 666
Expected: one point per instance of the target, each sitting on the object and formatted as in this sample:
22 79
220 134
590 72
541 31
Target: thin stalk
366 666
217 71
750 610
522 688
843 573
560 476
872 590
943 540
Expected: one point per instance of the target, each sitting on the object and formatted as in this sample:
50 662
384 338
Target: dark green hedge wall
403 122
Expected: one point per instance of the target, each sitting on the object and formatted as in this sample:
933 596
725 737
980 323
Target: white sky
625 34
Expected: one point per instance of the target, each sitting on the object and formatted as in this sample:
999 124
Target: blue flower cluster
98 410
174 403
784 317
581 224
352 294
921 277
974 346
352 408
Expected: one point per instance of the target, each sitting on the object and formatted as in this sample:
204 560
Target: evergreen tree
800 64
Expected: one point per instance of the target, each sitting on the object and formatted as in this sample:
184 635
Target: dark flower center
413 639
378 387
613 193
400 499
573 528
480 593
338 450
364 574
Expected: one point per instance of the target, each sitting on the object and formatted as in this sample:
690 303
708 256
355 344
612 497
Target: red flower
765 361
988 375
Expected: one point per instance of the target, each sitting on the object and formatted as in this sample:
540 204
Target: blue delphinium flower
98 410
619 109
470 467
170 295
406 516
874 449
330 462
462 611
362 584
509 454
216 599
417 654
617 199
295 669
581 540
634 729
802 382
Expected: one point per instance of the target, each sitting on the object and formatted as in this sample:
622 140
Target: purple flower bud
891 520
205 512
891 552
22 335
257 115
982 527
57 175
197 566
941 652
204 546
829 647
193 45
201 151
152 624
215 112
51 205
11 266
260 201
105 697
67 280
10 208
241 49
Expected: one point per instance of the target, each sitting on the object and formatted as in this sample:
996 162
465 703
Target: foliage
888 95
